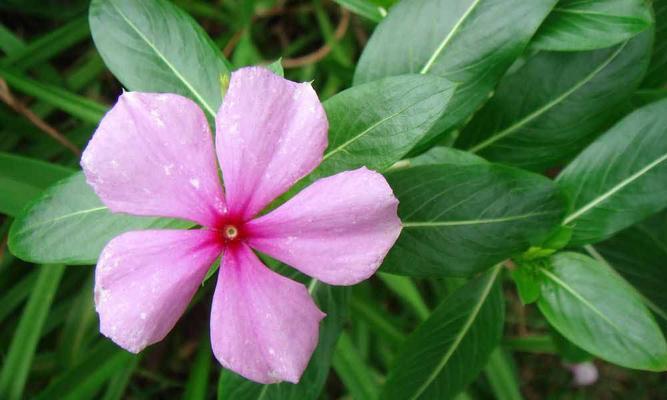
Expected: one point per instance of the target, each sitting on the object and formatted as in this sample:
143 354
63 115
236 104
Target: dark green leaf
153 46
449 349
351 369
599 312
554 104
639 253
576 25
470 42
196 387
23 179
446 155
16 365
620 179
49 45
81 107
102 363
657 71
69 224
461 219
502 375
331 300
527 283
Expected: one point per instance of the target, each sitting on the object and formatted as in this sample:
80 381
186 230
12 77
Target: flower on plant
153 155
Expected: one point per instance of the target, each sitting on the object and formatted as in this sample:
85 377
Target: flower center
230 232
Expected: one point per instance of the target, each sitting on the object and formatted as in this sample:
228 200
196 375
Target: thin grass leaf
14 373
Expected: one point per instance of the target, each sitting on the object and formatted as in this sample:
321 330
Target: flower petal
271 132
338 230
144 281
263 325
153 155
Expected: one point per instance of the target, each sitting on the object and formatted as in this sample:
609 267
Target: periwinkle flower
153 155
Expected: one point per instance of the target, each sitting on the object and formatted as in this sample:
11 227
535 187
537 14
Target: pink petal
271 132
338 230
144 281
263 325
153 155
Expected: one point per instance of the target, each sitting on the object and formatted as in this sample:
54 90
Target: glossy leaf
465 41
536 122
599 312
576 25
461 219
620 179
153 46
331 300
639 253
449 349
377 123
23 179
69 224
657 71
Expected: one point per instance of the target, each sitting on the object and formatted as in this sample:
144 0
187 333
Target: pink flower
153 155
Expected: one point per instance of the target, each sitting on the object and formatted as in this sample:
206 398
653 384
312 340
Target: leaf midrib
428 224
537 113
363 133
616 188
457 341
161 56
65 216
448 38
579 297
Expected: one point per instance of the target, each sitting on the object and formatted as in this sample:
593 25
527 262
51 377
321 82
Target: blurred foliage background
53 89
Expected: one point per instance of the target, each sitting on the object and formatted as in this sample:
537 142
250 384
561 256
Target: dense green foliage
525 140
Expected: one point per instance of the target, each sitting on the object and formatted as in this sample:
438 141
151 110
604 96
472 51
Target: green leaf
21 351
599 312
638 254
350 368
657 71
51 44
364 8
405 289
68 224
23 179
376 124
80 107
103 362
446 155
502 375
461 219
449 349
331 300
537 122
568 351
527 283
470 42
277 67
619 179
196 387
576 25
119 381
153 46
